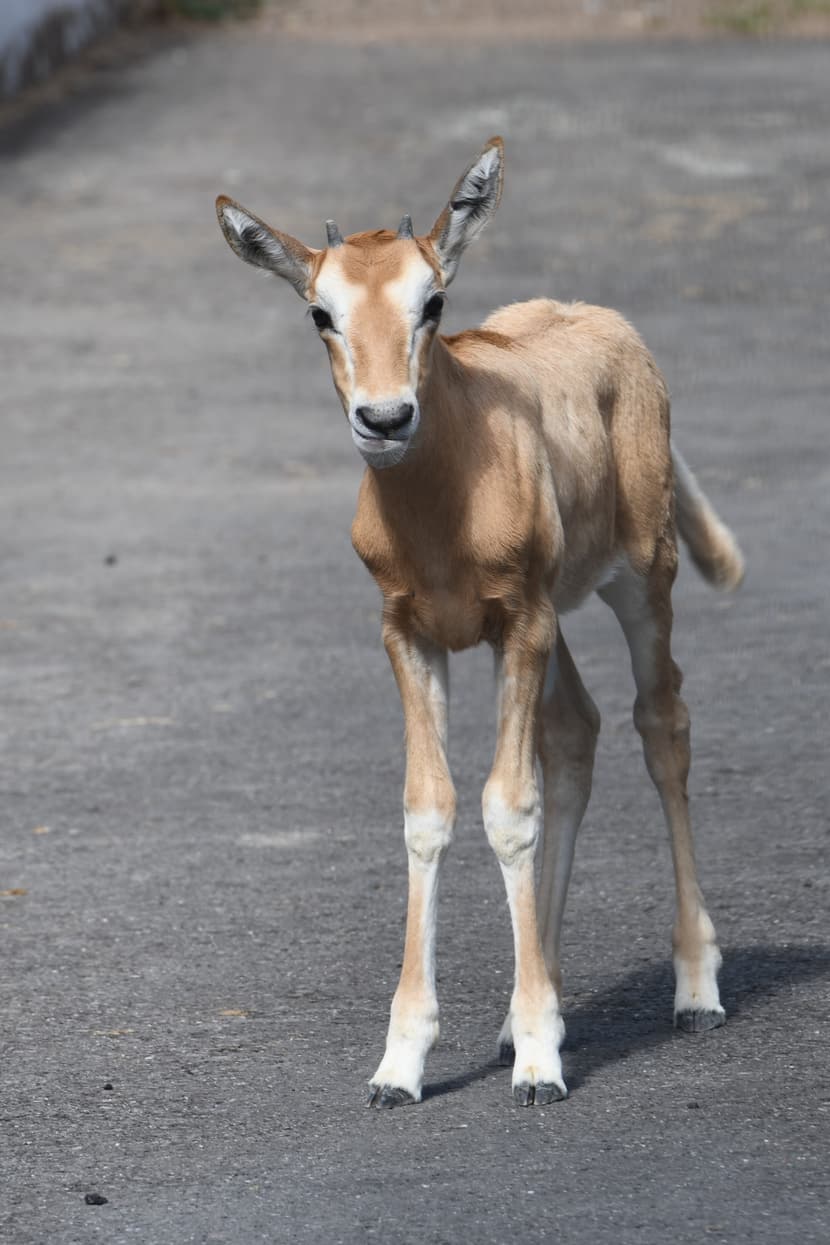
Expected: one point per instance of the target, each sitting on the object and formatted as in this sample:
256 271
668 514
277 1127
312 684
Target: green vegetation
211 10
761 17
742 18
809 8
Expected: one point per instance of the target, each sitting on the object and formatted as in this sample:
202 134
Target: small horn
405 227
333 235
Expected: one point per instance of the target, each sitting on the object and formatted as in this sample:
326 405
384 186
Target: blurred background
38 35
202 873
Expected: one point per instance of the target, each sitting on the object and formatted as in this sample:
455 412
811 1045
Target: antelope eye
321 318
433 307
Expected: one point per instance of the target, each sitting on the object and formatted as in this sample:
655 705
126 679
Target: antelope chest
451 601
451 618
454 567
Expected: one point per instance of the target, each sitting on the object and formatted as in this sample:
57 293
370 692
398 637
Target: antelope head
376 300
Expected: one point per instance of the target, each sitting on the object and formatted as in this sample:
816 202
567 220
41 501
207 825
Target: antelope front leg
429 819
512 817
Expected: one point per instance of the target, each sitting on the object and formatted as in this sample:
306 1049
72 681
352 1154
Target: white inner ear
473 203
241 223
238 220
456 234
482 170
475 195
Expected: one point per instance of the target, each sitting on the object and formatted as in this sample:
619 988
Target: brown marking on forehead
375 357
379 341
379 248
373 258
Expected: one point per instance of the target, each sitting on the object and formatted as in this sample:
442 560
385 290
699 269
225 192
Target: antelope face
376 300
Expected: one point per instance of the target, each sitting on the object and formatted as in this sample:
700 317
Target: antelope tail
712 546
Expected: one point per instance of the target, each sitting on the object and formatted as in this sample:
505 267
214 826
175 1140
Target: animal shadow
635 1014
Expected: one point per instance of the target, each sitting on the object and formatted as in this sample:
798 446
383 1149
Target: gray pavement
201 760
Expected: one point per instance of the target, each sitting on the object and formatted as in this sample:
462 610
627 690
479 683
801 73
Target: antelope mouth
383 448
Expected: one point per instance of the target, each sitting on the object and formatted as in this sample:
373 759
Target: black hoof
696 1020
388 1096
527 1095
549 1091
507 1054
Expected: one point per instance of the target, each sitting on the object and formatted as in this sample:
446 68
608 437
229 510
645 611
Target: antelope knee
651 720
428 831
512 826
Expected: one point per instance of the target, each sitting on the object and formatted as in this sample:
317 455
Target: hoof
527 1095
388 1096
507 1054
698 1020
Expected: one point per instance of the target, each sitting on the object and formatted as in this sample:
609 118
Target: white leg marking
534 1024
697 980
413 1022
536 1027
427 835
512 832
697 984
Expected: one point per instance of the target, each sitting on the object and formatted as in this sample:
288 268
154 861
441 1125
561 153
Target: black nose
385 417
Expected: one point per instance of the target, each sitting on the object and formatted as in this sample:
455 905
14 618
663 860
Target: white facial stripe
338 296
412 289
404 296
410 292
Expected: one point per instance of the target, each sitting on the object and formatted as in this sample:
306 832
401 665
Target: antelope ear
262 246
472 203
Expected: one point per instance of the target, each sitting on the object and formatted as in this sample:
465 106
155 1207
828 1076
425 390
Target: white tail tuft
712 546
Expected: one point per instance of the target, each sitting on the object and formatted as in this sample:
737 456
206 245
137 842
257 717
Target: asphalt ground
201 858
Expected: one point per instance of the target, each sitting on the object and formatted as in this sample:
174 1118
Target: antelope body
512 470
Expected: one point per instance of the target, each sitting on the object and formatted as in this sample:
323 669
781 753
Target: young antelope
511 471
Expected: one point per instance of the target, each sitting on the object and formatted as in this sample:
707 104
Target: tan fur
544 460
378 337
713 547
544 455
568 729
540 469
